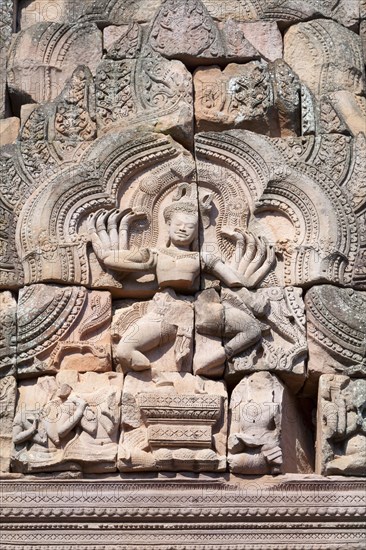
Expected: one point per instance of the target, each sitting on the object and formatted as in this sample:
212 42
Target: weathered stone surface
341 427
78 176
63 328
250 331
8 393
264 36
256 96
68 422
31 12
328 59
156 334
291 504
266 435
210 355
70 117
240 42
336 327
363 39
122 41
185 30
8 333
271 338
103 12
42 57
9 129
347 12
202 248
172 421
149 92
6 27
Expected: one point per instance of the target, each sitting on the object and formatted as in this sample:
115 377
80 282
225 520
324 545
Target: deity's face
182 229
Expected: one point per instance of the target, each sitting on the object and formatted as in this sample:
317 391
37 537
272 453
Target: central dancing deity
178 266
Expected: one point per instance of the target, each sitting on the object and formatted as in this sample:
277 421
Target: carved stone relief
6 28
264 98
103 12
8 392
347 12
183 264
154 334
333 70
172 421
63 328
341 426
43 57
336 329
8 333
184 30
67 422
286 12
266 435
146 91
281 190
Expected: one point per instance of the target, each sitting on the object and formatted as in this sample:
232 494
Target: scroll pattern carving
63 327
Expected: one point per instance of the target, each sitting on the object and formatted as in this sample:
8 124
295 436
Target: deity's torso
177 269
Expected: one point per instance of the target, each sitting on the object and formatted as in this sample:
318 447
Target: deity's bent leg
144 335
243 329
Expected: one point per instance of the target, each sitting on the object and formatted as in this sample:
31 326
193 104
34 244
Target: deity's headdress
186 200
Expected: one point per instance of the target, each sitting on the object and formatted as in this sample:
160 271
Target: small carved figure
41 434
70 421
341 426
254 444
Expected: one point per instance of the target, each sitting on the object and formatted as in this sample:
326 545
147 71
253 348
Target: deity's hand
253 257
108 230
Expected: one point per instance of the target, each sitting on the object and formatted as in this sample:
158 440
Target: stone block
65 47
264 183
8 333
63 328
103 12
147 93
341 426
6 28
172 422
9 129
328 60
67 422
8 396
264 36
336 329
266 431
286 12
186 31
263 98
155 334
